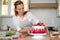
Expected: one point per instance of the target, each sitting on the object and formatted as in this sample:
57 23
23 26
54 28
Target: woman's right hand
25 30
29 31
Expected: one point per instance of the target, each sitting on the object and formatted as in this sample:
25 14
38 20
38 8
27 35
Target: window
4 7
8 7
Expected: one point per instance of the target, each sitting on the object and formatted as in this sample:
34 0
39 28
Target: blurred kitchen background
49 15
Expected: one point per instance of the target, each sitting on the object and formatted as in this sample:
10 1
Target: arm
17 25
32 18
22 30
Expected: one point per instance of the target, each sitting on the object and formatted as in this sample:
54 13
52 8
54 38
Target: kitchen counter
30 38
55 38
47 37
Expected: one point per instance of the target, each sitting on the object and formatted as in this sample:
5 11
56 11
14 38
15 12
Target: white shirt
27 21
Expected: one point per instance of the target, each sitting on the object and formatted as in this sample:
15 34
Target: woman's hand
39 24
22 30
46 30
26 29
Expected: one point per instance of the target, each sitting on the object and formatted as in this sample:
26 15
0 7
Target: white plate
39 34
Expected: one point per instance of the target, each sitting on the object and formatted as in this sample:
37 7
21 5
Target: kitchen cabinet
43 5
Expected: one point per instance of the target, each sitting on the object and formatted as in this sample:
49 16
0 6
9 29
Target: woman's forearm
22 30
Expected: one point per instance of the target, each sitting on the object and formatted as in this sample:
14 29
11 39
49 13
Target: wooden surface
30 38
46 38
43 5
55 38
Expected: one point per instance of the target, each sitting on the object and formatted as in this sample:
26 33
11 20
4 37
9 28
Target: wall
7 21
48 16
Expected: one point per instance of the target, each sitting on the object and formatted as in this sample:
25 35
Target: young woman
23 19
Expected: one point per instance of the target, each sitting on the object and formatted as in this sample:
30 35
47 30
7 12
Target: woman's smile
20 9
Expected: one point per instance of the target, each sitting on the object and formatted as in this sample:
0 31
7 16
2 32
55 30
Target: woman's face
20 9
